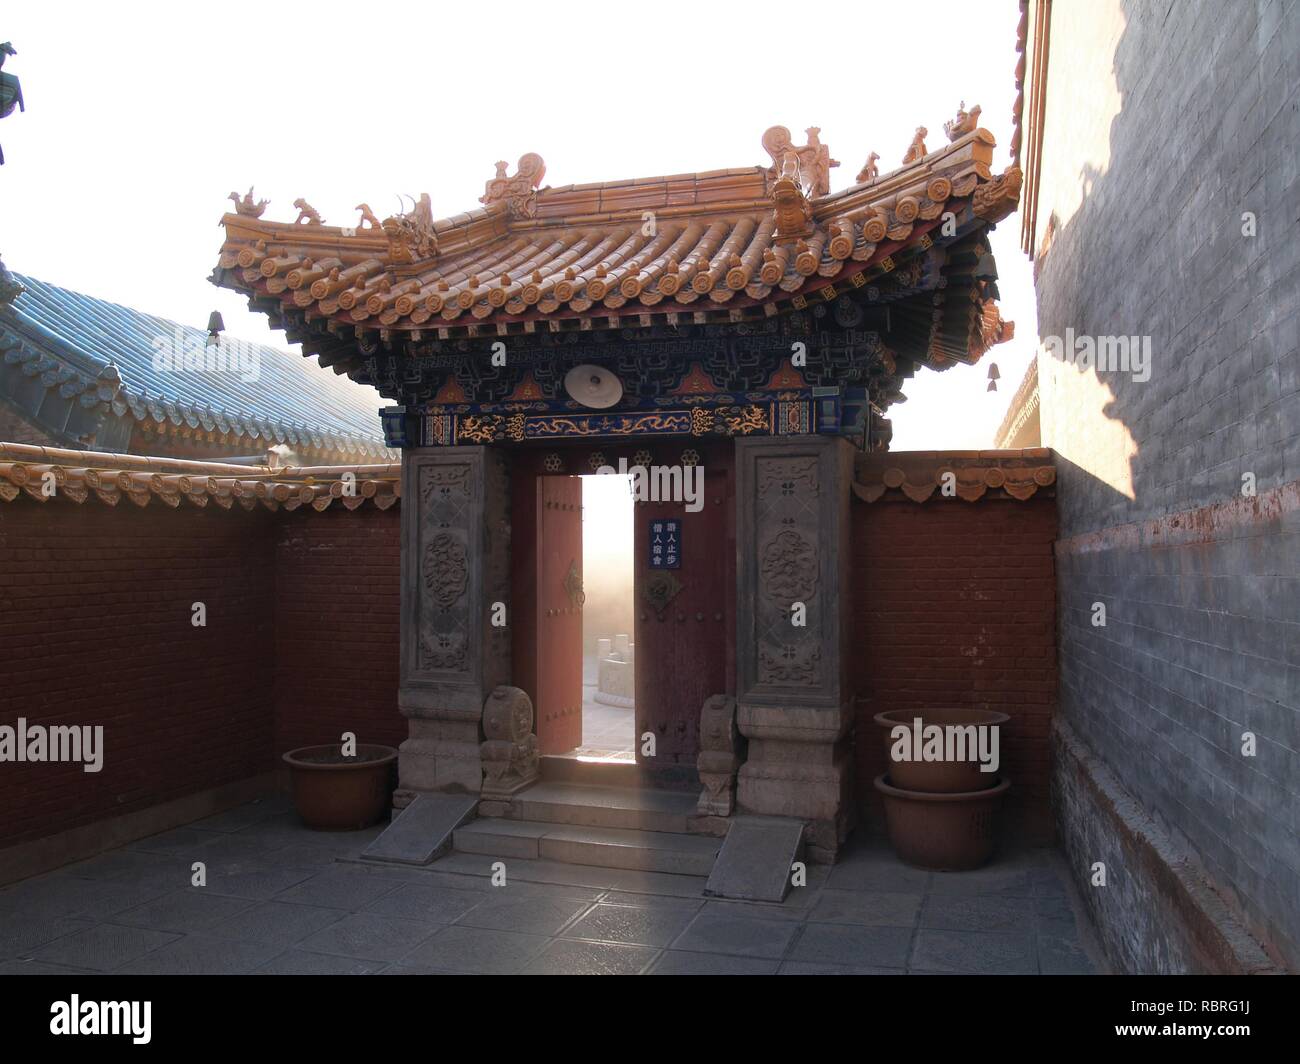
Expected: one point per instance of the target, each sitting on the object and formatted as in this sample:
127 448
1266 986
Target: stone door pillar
455 566
794 704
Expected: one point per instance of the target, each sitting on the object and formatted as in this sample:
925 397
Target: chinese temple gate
749 321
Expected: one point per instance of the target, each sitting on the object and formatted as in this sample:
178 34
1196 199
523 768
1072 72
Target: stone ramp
754 863
423 830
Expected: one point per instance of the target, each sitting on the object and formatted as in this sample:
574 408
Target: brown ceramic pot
942 832
951 777
336 793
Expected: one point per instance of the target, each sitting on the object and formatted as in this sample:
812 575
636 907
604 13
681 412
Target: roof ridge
86 336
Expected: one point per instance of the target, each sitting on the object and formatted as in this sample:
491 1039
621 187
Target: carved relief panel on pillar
442 632
788 608
455 558
455 567
791 550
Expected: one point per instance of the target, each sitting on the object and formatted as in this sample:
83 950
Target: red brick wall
336 631
300 645
15 428
95 622
954 604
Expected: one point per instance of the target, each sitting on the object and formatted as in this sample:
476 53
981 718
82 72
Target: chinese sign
666 543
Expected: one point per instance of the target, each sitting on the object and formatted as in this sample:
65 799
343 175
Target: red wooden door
684 634
558 699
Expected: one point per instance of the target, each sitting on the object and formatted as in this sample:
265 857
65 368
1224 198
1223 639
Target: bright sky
142 117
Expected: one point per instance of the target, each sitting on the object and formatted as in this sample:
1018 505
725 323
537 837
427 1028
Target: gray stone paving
281 899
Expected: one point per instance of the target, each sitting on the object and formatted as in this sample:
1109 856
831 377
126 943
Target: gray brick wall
1203 636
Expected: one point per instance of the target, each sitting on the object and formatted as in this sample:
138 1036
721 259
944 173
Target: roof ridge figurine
916 151
814 158
965 122
11 92
246 205
10 287
307 213
870 171
411 235
518 193
368 219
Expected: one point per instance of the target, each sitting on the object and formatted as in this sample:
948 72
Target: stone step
559 769
631 808
602 847
596 773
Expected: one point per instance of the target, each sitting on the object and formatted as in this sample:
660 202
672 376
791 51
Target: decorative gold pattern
573 586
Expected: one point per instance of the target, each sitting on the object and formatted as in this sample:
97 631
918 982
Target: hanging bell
994 377
215 328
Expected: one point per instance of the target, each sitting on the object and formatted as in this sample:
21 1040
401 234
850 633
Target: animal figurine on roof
307 213
368 218
518 193
246 205
916 150
815 160
870 171
10 287
965 122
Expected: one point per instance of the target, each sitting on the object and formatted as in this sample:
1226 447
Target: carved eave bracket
996 199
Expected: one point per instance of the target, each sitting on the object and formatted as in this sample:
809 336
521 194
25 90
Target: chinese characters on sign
665 543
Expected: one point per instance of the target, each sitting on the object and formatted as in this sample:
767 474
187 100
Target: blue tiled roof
73 339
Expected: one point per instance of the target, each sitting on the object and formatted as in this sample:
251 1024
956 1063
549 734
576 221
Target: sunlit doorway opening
608 619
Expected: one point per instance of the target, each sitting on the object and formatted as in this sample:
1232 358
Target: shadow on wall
1178 452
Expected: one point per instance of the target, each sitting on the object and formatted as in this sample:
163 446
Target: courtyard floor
282 899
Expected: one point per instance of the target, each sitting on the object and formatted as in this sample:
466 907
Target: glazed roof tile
712 246
917 475
103 352
111 478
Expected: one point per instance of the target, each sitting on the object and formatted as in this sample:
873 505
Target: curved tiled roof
80 475
917 475
727 245
103 353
